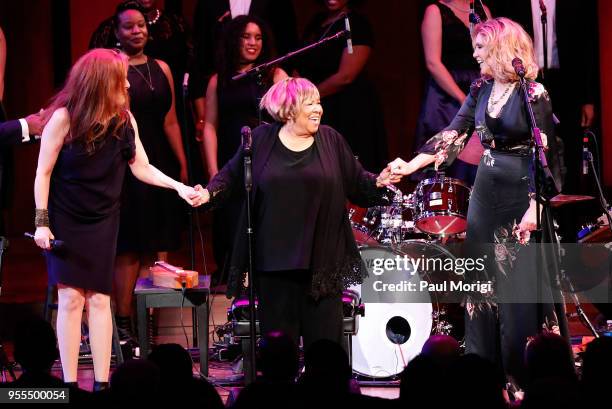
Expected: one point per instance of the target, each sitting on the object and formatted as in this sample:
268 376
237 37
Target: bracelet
41 218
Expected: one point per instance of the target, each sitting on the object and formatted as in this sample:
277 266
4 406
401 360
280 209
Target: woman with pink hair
304 250
502 209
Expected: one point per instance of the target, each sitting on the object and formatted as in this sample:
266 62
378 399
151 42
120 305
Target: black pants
500 197
285 305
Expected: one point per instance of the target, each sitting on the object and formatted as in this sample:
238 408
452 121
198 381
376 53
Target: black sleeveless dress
151 217
355 111
84 211
438 108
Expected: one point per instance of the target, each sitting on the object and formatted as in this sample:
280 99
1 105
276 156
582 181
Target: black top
335 261
456 40
509 132
238 103
151 217
290 192
319 63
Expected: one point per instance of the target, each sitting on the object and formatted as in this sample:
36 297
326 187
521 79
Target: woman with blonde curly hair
88 142
502 209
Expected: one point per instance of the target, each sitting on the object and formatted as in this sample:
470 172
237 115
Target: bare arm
210 127
350 67
172 128
431 33
147 173
50 146
401 167
199 107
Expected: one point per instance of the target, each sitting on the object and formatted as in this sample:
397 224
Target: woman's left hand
386 177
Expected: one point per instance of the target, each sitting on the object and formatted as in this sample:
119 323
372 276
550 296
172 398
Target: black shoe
100 386
124 329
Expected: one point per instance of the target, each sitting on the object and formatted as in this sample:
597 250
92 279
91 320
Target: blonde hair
283 99
94 85
505 40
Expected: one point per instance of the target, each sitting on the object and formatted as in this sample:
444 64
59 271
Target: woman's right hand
43 237
204 194
400 167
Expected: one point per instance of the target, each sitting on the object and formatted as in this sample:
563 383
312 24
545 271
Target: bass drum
392 333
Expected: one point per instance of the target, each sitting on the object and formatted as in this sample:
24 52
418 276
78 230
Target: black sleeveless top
456 40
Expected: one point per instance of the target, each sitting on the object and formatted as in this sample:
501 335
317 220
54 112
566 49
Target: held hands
189 194
42 237
203 193
387 177
399 167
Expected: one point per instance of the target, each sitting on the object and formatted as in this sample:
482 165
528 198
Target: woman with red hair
89 140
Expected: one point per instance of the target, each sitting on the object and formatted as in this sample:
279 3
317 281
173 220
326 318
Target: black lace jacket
336 262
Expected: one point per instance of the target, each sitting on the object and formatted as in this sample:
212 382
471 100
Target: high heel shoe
100 386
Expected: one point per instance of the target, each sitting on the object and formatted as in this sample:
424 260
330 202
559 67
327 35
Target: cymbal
561 200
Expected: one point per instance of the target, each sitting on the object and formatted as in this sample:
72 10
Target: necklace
493 101
156 19
149 81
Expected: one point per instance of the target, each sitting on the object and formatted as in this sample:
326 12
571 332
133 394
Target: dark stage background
45 36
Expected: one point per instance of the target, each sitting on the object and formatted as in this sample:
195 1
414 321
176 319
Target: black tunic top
335 261
289 194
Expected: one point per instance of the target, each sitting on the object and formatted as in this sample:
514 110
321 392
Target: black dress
354 111
84 211
499 326
151 217
438 108
238 106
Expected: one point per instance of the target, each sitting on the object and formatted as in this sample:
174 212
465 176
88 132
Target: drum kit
391 334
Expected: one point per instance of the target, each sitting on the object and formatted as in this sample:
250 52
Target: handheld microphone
349 40
185 80
585 154
518 66
55 244
247 139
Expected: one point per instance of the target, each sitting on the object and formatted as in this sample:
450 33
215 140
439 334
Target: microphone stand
544 21
248 187
540 164
190 210
259 69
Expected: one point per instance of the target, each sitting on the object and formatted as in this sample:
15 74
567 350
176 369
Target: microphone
473 17
518 66
349 40
247 139
55 244
585 154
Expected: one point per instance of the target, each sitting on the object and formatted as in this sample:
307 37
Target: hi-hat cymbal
561 200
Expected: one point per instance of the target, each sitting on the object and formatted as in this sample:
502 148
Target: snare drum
441 205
